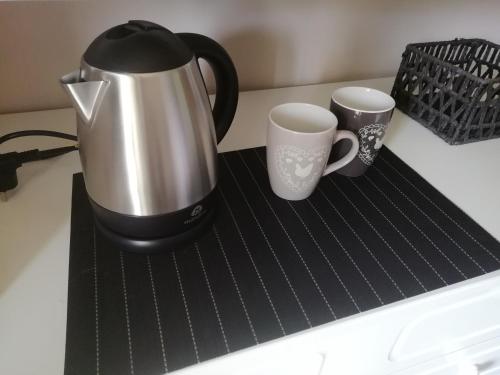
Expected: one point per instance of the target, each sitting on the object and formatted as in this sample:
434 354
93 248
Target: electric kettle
146 131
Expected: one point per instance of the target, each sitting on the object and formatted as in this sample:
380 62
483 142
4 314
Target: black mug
367 113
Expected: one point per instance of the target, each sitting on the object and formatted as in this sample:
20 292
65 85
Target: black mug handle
226 80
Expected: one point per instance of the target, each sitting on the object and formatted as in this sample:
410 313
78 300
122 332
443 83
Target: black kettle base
156 233
159 244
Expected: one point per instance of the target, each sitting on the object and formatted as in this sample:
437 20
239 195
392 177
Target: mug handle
343 134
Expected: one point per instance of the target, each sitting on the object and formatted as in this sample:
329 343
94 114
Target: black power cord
46 133
11 161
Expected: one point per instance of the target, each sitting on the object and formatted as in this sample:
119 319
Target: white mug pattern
371 138
299 168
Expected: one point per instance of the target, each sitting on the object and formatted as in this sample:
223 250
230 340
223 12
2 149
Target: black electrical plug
8 172
11 161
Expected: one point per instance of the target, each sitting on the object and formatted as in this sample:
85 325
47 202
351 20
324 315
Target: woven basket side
434 86
484 119
486 62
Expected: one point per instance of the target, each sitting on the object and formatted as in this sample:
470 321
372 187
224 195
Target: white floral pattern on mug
371 138
299 168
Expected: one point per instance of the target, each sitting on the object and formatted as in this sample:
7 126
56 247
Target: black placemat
266 269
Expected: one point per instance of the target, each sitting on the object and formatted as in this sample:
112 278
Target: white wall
273 42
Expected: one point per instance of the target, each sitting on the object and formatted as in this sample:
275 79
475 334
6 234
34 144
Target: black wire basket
452 88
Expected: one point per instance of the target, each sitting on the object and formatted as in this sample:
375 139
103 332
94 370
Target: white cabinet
481 359
454 330
449 328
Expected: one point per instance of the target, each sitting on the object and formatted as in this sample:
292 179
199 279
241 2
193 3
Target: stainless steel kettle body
148 142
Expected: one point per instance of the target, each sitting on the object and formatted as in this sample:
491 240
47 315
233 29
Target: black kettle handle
226 80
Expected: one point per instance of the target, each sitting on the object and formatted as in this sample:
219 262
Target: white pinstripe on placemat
96 302
235 283
441 210
420 231
257 272
427 217
402 236
210 292
299 303
318 288
157 314
186 308
127 318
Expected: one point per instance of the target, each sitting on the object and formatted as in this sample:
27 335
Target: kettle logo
196 214
197 210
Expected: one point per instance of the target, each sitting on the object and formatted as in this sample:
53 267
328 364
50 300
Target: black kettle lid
137 47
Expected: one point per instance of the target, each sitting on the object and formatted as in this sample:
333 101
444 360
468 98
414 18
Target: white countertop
35 221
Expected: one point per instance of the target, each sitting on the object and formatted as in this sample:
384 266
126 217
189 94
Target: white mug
299 140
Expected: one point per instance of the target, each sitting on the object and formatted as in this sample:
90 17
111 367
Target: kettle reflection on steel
147 133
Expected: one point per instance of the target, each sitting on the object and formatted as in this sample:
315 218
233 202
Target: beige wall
273 42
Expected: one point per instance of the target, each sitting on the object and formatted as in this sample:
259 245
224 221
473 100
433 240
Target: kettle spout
85 95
